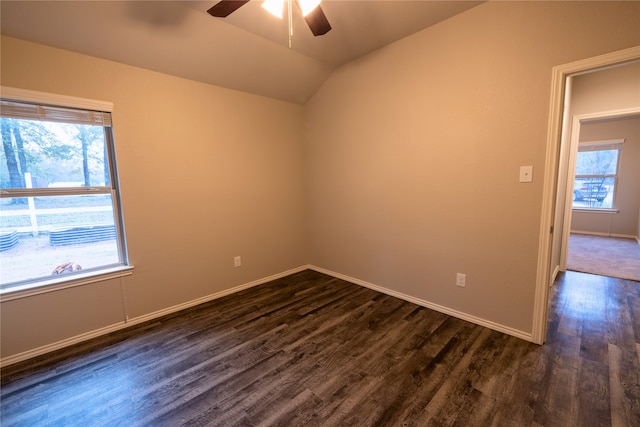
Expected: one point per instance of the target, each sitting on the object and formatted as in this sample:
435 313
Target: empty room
210 215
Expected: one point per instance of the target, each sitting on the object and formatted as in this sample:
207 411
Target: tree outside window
596 175
59 195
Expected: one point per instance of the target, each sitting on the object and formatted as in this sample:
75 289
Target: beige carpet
605 256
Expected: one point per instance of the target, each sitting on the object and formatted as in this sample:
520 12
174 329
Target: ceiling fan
313 14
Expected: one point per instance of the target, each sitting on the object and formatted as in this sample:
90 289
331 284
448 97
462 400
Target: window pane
52 154
593 193
600 162
50 222
38 235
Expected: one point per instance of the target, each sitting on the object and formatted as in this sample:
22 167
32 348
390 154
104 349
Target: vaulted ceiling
247 51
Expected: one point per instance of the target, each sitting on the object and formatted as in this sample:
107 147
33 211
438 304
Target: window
60 214
596 174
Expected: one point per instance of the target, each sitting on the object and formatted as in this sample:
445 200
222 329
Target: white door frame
578 120
558 83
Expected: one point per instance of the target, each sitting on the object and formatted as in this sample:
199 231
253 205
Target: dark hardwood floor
313 350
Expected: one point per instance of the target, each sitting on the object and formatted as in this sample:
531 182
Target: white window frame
613 144
42 285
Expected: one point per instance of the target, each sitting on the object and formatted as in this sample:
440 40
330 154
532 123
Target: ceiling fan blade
318 22
225 8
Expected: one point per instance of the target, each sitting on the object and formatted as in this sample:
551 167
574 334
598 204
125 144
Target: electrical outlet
237 261
461 280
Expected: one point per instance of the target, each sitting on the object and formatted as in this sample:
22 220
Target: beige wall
611 89
624 222
413 153
206 174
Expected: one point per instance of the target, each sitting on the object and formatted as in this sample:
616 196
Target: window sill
594 210
53 285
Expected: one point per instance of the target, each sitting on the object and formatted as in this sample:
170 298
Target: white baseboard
192 303
151 316
442 309
10 360
140 319
595 233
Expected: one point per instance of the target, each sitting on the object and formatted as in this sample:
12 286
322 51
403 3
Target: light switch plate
526 173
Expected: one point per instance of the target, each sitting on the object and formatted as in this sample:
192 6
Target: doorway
601 224
553 200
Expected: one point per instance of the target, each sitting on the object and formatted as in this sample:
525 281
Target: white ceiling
246 51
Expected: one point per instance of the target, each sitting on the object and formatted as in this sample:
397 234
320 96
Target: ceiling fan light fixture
313 15
274 7
307 6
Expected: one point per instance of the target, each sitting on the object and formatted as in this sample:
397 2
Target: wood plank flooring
312 350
